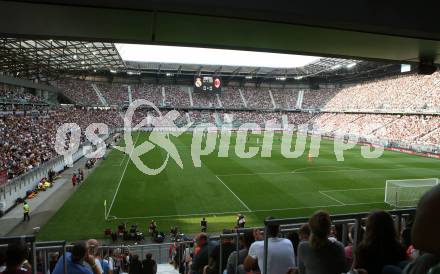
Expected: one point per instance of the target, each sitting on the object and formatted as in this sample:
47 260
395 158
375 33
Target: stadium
143 137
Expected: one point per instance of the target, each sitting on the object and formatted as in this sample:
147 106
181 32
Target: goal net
406 193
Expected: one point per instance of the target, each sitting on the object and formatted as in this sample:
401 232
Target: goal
406 193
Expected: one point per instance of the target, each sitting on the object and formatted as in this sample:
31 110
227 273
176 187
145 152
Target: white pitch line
319 171
180 215
353 189
122 176
250 174
235 212
123 158
317 167
311 207
280 172
248 209
331 198
355 204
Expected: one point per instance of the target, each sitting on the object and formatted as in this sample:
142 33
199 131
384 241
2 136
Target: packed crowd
220 117
205 100
415 129
115 94
412 129
9 107
376 247
285 98
203 117
178 96
399 93
405 92
27 141
82 258
230 98
79 91
18 95
257 98
317 99
150 92
237 118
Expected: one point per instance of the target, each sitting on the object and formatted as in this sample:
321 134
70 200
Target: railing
41 250
344 219
13 101
28 239
16 187
406 111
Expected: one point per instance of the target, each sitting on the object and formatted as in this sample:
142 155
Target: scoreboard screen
207 84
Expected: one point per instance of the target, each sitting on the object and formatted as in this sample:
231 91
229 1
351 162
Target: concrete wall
17 187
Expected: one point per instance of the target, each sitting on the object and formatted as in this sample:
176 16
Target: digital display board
207 84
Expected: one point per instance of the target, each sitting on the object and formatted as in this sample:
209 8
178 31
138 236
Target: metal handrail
50 244
12 239
349 216
25 238
340 218
286 225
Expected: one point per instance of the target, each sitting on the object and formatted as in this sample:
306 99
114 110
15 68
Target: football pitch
224 186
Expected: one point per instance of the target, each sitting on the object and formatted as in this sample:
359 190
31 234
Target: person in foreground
135 266
227 247
280 258
79 261
245 242
200 259
426 235
149 265
16 262
380 245
320 255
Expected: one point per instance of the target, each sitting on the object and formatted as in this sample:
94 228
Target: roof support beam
82 22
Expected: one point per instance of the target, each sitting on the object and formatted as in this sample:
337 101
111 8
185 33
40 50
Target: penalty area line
353 189
295 171
248 209
253 211
331 198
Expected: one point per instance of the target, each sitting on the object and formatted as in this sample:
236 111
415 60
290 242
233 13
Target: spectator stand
79 91
42 254
163 253
17 186
16 100
43 250
355 219
236 236
29 240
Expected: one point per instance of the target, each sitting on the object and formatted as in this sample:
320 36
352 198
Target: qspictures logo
205 137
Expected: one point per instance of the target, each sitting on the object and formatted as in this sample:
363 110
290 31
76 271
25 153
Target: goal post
407 192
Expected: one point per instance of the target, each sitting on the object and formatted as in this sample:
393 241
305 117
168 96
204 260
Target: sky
207 56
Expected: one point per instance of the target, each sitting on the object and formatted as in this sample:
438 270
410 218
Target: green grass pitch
222 187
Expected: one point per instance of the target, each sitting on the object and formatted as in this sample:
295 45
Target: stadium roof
210 56
375 30
49 59
321 65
